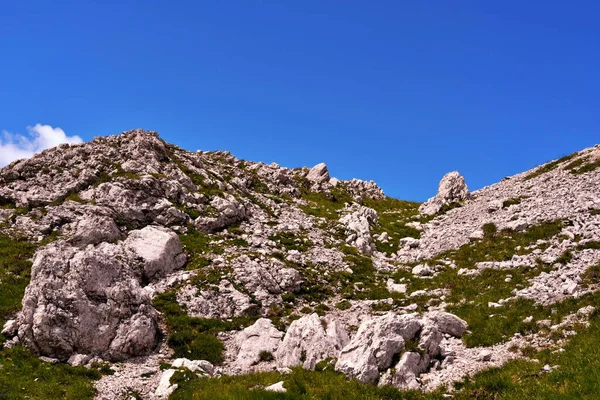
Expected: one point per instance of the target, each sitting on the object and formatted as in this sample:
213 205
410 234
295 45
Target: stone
395 287
230 211
518 225
375 344
422 270
194 365
260 337
358 223
91 301
477 235
77 360
276 387
448 323
485 355
10 328
223 301
95 229
318 174
452 189
165 389
158 247
409 243
407 370
309 340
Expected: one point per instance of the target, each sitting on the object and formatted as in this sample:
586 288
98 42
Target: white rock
448 323
485 355
194 365
373 347
165 389
276 387
260 337
452 189
309 340
395 287
422 270
10 328
318 174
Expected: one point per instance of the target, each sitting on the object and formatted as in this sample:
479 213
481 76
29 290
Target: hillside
131 268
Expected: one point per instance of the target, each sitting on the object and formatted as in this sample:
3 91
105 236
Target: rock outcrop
259 340
286 267
91 300
452 190
309 340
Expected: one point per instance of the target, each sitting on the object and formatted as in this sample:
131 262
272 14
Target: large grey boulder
267 278
448 323
230 211
452 189
309 340
260 337
158 248
358 222
94 229
91 300
318 174
374 346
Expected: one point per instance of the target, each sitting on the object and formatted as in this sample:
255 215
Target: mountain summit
173 268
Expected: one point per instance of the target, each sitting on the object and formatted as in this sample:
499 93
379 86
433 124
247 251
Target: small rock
485 355
276 387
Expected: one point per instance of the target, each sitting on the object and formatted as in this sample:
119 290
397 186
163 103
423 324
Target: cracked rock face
260 338
374 345
309 340
90 300
224 301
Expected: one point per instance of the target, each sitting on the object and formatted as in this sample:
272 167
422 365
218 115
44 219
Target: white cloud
38 138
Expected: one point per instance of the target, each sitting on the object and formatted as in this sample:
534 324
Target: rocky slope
158 261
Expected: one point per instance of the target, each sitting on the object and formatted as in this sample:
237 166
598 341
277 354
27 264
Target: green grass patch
393 215
577 375
325 205
589 167
24 376
15 273
512 202
469 297
292 241
194 338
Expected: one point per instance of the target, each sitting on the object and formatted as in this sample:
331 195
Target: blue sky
394 91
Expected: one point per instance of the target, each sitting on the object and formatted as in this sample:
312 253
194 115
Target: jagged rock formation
286 267
452 190
91 300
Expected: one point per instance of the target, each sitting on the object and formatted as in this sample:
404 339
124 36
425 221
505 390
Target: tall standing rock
318 174
452 189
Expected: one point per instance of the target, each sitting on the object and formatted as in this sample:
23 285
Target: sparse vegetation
549 166
393 216
292 241
512 202
194 338
325 205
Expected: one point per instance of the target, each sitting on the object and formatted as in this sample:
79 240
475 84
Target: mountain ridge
149 253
